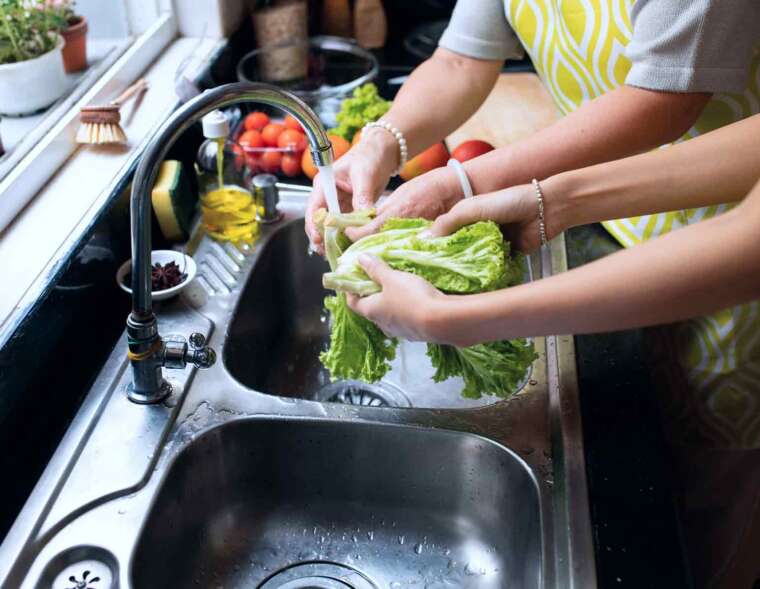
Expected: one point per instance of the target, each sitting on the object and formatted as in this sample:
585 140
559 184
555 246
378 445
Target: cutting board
516 108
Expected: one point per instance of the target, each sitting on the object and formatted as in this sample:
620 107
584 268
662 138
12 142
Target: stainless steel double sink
260 473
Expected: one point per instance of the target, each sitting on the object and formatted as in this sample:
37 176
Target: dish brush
100 124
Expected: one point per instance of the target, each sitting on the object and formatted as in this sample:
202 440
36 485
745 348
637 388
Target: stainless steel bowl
321 70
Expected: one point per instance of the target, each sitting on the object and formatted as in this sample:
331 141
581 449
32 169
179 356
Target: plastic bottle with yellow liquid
228 209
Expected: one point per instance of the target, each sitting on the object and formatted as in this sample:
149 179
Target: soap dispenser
228 208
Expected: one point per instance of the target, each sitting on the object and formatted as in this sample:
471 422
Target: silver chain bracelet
541 223
403 152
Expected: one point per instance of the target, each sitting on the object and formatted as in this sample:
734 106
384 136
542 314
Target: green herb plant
473 259
30 28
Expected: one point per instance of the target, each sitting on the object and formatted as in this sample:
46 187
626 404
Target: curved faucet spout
144 342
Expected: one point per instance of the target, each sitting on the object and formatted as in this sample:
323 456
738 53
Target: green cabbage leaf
473 259
492 368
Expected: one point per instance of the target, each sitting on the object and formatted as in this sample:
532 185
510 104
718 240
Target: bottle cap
216 125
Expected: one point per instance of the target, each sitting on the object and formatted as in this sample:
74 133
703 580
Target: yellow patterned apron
577 47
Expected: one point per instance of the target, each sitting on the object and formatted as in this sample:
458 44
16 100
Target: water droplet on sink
418 548
401 539
371 535
395 585
471 570
354 539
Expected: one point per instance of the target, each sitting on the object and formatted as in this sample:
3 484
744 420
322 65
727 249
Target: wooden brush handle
138 86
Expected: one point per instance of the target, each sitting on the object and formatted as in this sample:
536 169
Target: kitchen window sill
34 245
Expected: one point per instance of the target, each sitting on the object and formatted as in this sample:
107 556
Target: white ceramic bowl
186 265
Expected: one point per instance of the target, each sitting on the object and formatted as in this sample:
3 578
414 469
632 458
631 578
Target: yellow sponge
174 201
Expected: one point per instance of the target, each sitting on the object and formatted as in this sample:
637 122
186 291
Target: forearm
439 96
618 124
716 168
687 273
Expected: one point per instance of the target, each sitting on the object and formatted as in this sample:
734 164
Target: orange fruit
251 138
256 120
295 140
340 145
307 165
433 157
291 164
270 161
292 123
271 132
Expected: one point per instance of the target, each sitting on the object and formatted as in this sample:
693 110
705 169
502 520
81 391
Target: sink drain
317 575
354 392
81 567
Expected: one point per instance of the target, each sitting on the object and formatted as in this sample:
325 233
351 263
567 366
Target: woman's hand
360 176
391 310
427 196
515 208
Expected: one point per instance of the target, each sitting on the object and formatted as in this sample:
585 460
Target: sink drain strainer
81 567
354 392
317 575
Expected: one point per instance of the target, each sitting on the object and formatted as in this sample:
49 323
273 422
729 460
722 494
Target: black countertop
636 533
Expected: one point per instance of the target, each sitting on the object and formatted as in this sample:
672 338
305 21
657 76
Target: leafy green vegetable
358 349
474 259
365 106
469 260
493 368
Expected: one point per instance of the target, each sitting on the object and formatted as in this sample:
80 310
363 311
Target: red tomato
292 123
256 120
271 132
270 161
471 149
291 164
253 161
251 138
295 140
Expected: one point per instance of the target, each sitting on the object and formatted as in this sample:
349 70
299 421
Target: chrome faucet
148 351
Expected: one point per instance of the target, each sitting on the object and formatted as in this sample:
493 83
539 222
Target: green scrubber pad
174 201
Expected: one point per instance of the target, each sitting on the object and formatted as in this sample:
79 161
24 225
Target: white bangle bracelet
464 181
403 153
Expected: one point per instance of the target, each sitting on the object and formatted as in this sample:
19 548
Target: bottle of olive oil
228 209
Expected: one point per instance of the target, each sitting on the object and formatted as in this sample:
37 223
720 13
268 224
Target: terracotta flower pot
75 47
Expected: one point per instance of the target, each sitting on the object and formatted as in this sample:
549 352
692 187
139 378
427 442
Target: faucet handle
199 353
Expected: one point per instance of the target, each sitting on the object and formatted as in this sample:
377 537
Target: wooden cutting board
517 107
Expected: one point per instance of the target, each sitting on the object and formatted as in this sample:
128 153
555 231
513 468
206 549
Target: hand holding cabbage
471 260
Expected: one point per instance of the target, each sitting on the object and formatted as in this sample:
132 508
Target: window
124 36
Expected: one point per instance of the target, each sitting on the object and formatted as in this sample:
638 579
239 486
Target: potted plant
31 63
75 38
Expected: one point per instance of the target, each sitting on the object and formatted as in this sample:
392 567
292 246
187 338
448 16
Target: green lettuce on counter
364 106
473 259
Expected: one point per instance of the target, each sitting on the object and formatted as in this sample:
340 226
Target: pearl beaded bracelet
402 150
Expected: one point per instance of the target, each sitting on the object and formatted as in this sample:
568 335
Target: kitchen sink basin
260 473
294 503
279 328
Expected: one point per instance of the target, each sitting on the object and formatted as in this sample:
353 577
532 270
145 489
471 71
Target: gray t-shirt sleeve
693 45
479 29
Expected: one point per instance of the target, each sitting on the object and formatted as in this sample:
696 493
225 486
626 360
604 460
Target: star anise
166 276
